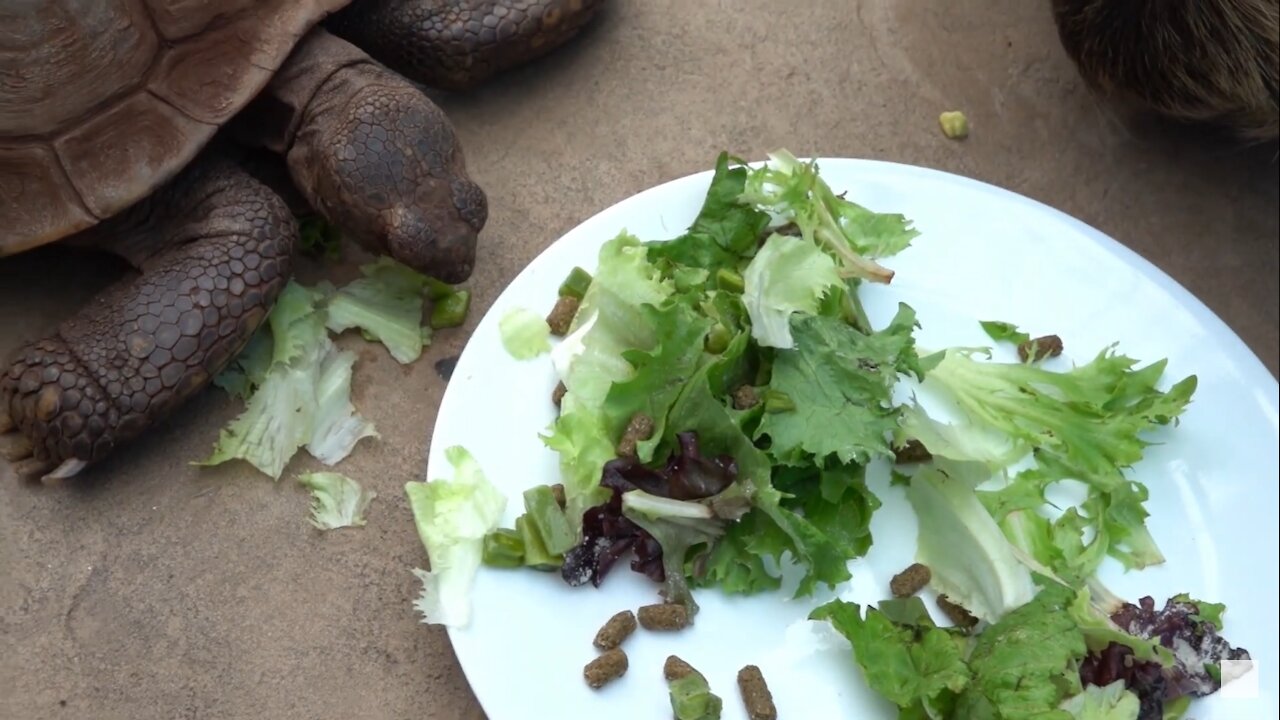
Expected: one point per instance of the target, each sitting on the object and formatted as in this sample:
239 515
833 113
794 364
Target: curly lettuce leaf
386 306
453 517
524 333
788 275
854 235
1087 424
337 501
841 383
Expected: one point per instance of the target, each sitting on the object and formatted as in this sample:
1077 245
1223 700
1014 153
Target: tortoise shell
103 101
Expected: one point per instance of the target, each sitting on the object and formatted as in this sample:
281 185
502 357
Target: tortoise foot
214 251
459 44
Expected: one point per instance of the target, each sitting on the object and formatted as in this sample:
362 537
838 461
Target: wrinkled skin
364 147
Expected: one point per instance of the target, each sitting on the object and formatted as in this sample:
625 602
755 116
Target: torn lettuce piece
453 517
854 235
296 322
1000 331
678 526
386 306
1112 702
277 420
972 562
303 402
318 238
336 427
788 275
336 500
524 333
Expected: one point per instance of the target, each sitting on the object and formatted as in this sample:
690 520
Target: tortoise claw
32 467
15 447
68 468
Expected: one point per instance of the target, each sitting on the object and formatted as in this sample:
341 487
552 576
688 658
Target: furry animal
1210 62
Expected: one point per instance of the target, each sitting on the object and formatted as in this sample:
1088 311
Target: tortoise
125 125
1207 62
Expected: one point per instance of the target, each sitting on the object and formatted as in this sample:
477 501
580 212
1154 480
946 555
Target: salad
722 395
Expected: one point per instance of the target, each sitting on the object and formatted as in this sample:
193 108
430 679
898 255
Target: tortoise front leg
458 44
214 250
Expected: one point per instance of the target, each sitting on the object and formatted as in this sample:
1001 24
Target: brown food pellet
615 630
1047 346
675 668
910 581
557 492
663 616
561 316
755 694
639 429
608 666
912 452
745 398
955 613
558 394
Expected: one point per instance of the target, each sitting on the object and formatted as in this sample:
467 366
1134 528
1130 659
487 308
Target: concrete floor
156 590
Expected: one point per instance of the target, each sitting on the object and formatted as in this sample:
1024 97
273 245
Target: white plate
983 253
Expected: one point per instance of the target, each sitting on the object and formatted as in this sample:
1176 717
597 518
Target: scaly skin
364 147
214 249
458 44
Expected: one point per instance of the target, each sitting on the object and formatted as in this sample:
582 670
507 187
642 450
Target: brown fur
1200 61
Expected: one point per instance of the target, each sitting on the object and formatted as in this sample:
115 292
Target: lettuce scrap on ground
336 500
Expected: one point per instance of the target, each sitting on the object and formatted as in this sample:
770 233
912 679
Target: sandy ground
155 590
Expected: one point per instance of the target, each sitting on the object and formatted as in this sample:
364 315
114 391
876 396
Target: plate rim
1253 371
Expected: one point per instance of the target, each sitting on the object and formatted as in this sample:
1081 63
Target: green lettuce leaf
453 517
725 229
386 305
1112 702
788 275
302 399
919 669
971 561
611 322
1025 665
841 382
525 334
336 500
1004 332
1086 424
